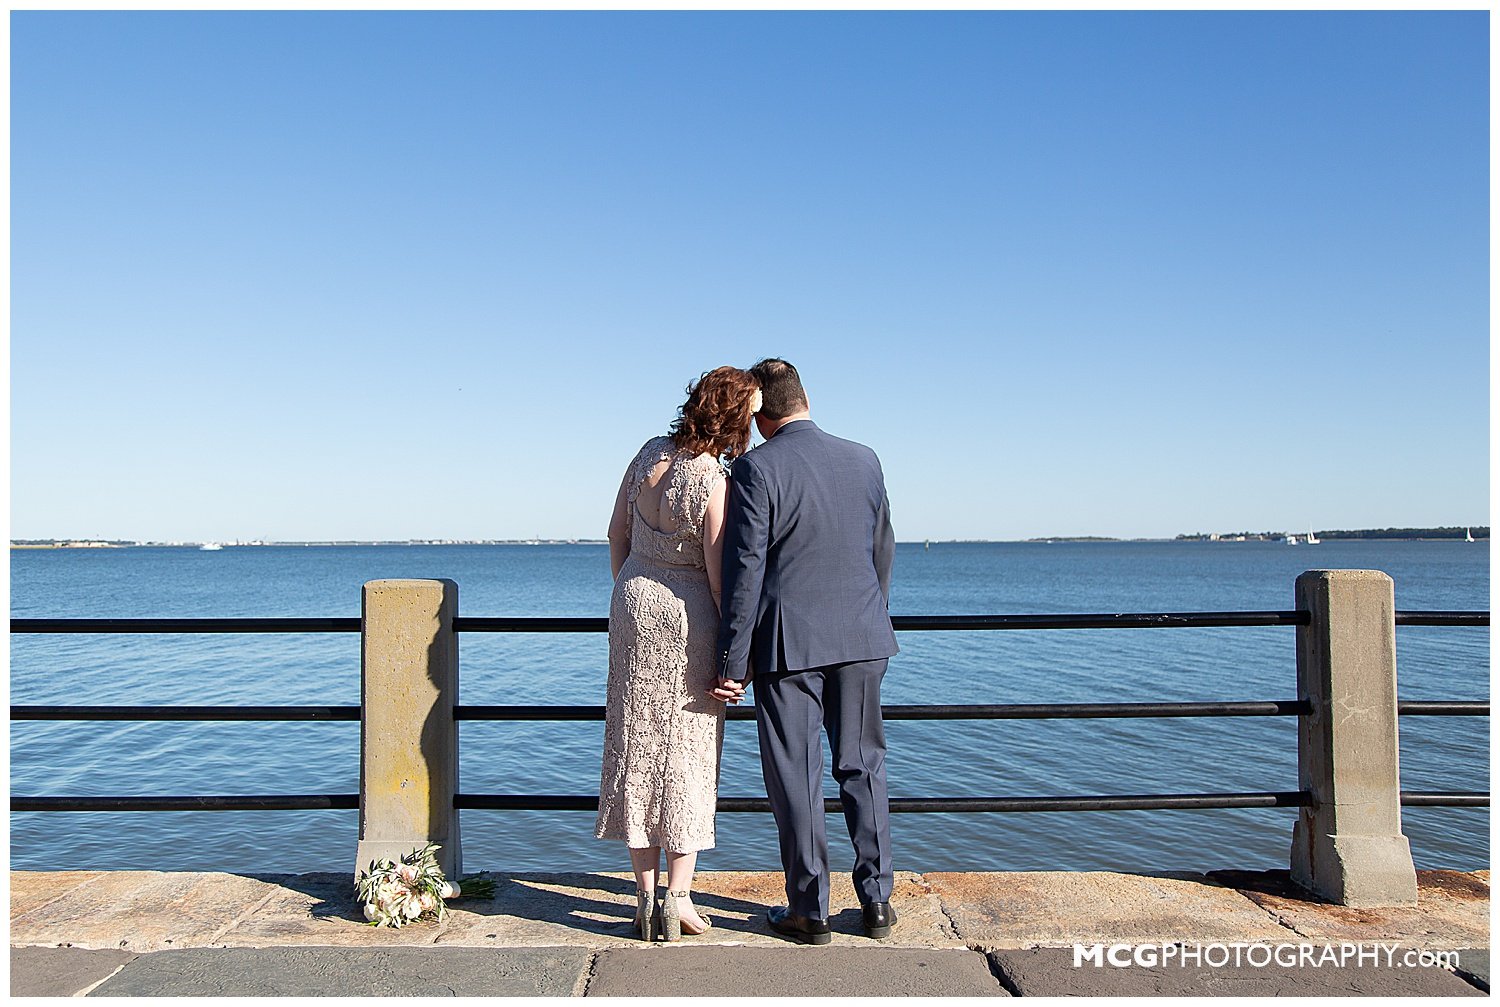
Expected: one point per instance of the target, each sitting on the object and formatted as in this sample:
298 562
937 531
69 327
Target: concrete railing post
1348 847
408 765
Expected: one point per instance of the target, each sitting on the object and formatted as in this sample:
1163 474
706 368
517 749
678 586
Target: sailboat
1311 538
1468 535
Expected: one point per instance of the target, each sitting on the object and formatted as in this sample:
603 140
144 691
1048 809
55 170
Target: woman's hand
728 690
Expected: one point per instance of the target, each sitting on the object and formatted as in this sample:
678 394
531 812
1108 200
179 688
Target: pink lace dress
662 733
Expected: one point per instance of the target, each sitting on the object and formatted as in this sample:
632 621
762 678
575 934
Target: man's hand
728 690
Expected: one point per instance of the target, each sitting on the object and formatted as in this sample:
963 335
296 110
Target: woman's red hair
715 419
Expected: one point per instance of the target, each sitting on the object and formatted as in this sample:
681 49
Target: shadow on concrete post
408 763
1348 847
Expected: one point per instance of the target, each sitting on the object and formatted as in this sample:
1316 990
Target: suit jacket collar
794 426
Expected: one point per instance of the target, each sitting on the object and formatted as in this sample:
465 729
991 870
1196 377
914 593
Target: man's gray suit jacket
807 556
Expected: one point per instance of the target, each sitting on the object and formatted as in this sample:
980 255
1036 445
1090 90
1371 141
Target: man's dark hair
780 388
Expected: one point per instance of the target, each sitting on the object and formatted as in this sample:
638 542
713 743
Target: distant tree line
1371 533
1249 536
1076 538
1483 532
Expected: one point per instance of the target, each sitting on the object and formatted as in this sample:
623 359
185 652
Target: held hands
728 691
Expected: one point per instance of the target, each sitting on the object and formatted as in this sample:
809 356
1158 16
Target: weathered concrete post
408 765
1348 847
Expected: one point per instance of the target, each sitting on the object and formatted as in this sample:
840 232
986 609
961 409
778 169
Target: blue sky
390 275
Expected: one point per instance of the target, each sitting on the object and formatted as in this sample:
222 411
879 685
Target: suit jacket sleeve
885 544
747 533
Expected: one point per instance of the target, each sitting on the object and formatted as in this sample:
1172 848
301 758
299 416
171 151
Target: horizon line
1217 537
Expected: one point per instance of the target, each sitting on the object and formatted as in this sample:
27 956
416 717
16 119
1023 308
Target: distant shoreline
1481 534
118 544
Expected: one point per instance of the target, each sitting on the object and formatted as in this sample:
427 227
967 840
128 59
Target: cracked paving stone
60 972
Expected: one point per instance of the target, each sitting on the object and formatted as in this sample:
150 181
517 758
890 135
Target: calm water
977 758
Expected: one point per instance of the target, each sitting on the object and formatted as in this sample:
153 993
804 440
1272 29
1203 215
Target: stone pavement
142 933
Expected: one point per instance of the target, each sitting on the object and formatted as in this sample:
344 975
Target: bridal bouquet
397 893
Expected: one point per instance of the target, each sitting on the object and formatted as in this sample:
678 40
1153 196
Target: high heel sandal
645 915
671 918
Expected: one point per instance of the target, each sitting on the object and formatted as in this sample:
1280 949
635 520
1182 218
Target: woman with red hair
663 733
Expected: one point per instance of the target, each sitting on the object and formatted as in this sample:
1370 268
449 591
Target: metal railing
554 802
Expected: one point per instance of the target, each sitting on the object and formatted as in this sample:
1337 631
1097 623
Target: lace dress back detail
690 482
662 732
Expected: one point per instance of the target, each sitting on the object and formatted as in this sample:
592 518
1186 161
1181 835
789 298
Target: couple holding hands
779 573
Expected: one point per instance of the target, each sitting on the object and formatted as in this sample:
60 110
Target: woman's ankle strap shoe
671 919
645 915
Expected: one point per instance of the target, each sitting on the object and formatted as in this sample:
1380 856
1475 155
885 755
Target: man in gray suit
807 584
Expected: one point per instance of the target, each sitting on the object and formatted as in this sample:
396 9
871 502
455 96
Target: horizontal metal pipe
1014 711
1445 799
1143 620
1119 802
1443 708
177 713
529 624
1432 618
485 624
1115 802
348 625
555 802
1150 620
926 712
257 802
1022 711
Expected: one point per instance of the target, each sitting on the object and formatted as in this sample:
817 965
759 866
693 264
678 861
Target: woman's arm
713 540
619 527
